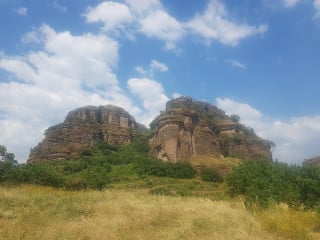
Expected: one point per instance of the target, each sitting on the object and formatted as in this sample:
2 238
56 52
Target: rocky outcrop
83 128
189 128
315 162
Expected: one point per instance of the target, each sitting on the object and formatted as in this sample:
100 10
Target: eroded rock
83 128
189 128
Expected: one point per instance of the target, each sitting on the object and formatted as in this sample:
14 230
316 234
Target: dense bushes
41 174
210 175
264 183
154 167
94 169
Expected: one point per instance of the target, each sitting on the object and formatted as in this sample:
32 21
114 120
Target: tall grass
32 212
290 223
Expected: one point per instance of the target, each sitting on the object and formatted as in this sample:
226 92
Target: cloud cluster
154 66
215 24
296 139
293 3
67 72
316 5
290 3
149 18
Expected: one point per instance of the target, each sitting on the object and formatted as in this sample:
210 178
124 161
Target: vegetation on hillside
266 183
97 168
260 183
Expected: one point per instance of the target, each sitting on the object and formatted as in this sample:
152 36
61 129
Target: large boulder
192 128
83 128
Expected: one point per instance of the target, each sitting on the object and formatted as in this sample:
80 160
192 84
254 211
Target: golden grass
291 224
30 212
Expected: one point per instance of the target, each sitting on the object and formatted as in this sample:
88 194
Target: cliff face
315 162
189 127
83 128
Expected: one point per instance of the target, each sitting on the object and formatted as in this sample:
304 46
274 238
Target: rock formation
83 128
315 162
187 128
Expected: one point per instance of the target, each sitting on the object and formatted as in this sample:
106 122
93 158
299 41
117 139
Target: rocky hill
187 128
83 128
315 161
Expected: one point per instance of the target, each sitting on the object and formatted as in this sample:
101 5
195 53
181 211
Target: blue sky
258 59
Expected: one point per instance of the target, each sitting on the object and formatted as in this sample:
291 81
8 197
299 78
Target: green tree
7 163
6 156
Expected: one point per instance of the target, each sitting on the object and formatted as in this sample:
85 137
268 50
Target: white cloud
296 139
159 24
153 67
176 95
145 16
215 24
316 5
140 70
67 72
236 63
149 18
59 7
159 66
152 95
294 3
113 15
248 114
290 3
142 7
22 11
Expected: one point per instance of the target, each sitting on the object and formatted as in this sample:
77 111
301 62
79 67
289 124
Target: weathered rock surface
189 128
83 128
315 162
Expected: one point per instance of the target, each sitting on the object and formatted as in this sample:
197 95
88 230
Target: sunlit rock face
83 128
189 127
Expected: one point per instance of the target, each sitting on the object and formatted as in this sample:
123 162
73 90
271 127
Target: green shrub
39 173
155 167
105 148
263 182
309 184
210 175
96 177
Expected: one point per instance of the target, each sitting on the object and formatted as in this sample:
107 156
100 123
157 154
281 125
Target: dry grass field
33 212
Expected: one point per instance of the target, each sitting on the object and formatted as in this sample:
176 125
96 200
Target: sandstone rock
191 128
83 128
315 162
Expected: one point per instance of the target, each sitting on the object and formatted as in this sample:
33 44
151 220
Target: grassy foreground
32 212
